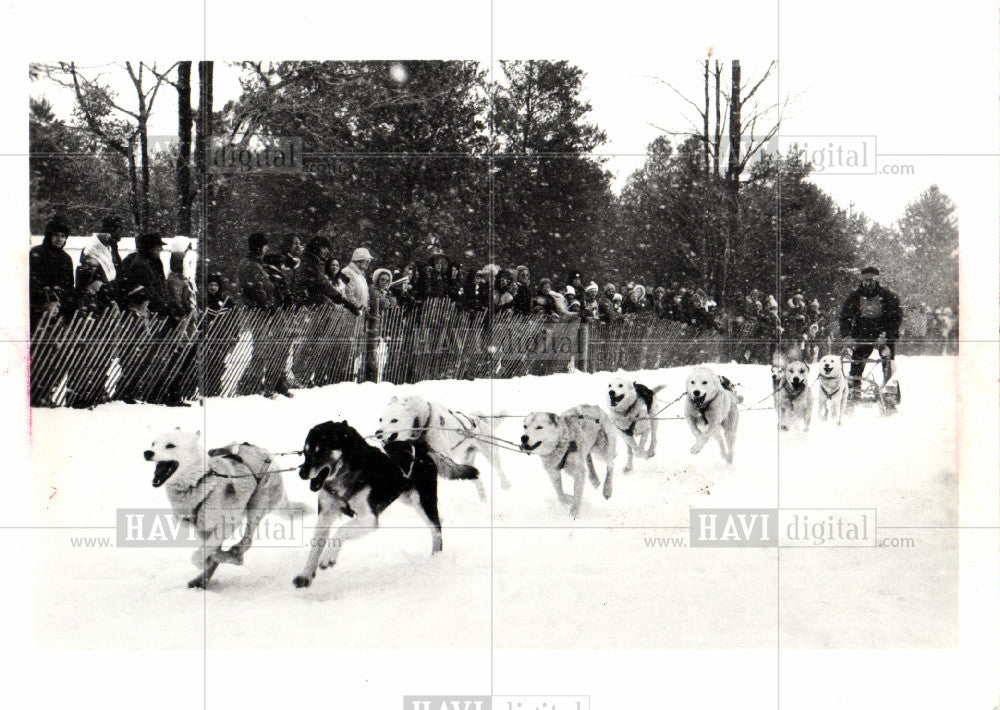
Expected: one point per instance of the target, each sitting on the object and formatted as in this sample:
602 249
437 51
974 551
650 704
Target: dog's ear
416 422
553 418
394 398
198 433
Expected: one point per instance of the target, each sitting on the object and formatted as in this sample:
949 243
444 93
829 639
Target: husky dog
453 434
833 389
793 399
711 410
218 493
356 479
631 411
566 442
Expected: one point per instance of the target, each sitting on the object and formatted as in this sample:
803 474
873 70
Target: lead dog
356 479
832 393
218 494
453 434
793 398
711 410
631 411
566 443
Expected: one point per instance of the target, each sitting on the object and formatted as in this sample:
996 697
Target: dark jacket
867 314
144 270
313 287
255 284
50 276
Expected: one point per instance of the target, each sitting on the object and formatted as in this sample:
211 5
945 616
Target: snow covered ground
517 572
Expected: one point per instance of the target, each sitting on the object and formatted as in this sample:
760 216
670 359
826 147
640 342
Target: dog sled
874 388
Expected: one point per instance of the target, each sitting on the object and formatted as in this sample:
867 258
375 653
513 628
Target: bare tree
119 127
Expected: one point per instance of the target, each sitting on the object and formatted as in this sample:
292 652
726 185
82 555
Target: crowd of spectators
287 271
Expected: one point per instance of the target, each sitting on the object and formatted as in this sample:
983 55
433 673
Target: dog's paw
327 563
198 582
607 491
574 511
505 484
302 581
696 448
651 453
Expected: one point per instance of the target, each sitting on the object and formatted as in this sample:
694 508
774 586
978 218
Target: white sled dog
793 399
218 494
832 393
454 434
566 443
711 410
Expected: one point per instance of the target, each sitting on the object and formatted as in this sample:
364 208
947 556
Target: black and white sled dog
358 480
632 413
453 434
218 493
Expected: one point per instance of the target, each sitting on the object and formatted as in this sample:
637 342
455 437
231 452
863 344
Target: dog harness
570 448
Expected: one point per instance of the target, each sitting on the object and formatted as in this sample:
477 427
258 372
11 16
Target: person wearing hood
355 279
522 297
252 279
311 283
871 316
381 281
636 303
143 270
50 272
97 272
572 302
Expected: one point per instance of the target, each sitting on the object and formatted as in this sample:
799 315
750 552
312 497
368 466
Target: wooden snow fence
89 358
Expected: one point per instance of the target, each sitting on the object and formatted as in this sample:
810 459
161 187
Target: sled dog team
234 487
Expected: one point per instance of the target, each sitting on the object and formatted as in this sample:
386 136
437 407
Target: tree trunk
184 124
144 165
203 144
133 182
732 181
718 120
707 144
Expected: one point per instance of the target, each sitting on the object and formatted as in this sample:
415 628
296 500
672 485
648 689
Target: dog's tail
658 388
453 471
729 385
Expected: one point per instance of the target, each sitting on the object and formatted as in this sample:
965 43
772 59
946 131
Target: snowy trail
549 577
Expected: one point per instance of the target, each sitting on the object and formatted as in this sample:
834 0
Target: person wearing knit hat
871 316
592 288
381 281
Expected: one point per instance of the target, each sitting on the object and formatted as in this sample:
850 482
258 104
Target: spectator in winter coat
355 280
180 289
504 290
381 280
281 269
522 297
142 271
553 302
252 277
635 305
216 298
96 274
50 273
572 302
311 283
606 310
871 315
590 308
